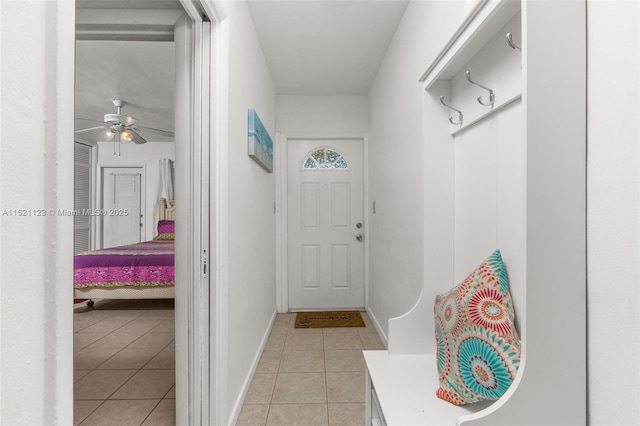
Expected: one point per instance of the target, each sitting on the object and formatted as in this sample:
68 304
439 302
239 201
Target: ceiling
112 62
140 73
312 47
316 47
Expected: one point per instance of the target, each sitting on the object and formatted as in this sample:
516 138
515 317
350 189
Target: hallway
310 376
124 366
574 233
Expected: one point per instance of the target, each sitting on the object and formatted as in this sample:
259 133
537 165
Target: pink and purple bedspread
150 263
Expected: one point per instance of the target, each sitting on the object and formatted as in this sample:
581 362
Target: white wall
613 212
147 155
395 157
36 252
247 227
322 114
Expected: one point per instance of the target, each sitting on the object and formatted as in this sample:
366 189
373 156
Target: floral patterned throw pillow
478 348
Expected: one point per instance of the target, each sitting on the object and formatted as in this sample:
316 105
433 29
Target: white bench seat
401 391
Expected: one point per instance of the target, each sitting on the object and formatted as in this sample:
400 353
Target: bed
136 271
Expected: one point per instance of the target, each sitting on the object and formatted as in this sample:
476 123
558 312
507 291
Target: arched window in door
325 159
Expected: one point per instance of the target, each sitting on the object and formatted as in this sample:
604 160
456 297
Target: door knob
359 237
358 225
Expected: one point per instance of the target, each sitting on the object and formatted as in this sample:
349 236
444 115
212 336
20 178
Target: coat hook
492 96
514 46
453 109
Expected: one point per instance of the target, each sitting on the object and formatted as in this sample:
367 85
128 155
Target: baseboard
376 325
237 407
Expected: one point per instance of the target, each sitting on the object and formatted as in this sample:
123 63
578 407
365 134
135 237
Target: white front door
121 205
325 224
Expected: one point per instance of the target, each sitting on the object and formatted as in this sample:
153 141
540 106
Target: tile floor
124 363
310 376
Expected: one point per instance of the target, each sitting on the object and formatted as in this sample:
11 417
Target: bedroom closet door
121 205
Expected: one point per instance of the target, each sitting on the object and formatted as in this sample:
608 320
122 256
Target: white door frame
282 199
99 169
197 342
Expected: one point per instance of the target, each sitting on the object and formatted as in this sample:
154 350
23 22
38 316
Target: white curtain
166 179
165 188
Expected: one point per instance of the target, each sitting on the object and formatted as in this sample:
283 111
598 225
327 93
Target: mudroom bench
401 390
503 143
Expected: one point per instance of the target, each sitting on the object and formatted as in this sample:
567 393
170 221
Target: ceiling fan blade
155 131
90 129
136 138
89 119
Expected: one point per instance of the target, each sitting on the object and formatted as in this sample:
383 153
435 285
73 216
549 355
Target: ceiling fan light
125 136
109 133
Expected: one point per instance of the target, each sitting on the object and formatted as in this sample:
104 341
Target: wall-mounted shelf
481 50
480 27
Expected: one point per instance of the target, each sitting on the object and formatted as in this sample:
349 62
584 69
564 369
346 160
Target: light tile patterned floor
310 376
124 363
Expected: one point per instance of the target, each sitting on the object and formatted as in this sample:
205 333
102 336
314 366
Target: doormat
329 319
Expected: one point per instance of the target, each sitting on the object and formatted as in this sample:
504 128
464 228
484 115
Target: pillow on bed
166 227
478 348
166 236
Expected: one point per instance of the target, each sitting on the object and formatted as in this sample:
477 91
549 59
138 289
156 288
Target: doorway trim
197 392
282 199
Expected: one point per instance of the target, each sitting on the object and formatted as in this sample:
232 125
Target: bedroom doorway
125 322
193 379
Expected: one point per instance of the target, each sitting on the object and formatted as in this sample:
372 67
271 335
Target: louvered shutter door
82 198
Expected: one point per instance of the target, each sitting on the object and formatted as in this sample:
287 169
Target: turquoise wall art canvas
260 143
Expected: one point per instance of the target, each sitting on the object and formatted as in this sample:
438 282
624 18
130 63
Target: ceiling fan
122 128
